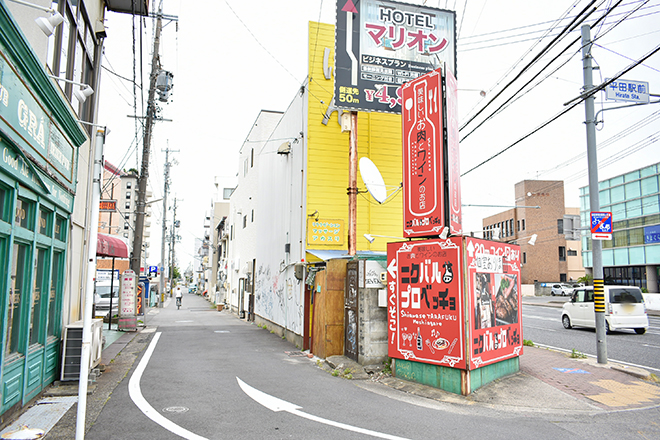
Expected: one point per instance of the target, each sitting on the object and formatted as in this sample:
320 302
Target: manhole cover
176 409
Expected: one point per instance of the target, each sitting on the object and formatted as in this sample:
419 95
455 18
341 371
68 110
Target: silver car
102 297
561 289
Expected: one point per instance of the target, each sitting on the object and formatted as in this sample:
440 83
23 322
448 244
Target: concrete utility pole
173 239
144 171
161 287
594 202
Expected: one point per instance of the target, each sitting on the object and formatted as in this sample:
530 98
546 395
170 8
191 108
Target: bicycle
178 302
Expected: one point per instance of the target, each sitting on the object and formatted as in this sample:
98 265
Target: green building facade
39 140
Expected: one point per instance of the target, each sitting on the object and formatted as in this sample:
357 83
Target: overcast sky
231 59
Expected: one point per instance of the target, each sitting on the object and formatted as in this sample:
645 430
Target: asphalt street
204 374
542 325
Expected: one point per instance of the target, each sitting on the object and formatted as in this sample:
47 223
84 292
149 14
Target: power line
536 58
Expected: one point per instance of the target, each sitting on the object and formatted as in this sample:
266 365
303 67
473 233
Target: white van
624 308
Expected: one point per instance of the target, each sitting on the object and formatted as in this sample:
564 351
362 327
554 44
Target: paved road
542 325
189 382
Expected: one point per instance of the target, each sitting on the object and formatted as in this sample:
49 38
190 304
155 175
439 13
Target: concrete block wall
372 343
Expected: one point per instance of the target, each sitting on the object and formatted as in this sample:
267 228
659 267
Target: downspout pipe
89 287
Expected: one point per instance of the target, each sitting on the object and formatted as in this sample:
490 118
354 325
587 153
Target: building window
72 51
128 185
244 221
562 278
18 297
24 214
60 228
128 195
560 226
38 304
524 258
128 205
226 193
253 216
252 158
125 234
518 225
562 253
523 224
55 297
125 226
571 253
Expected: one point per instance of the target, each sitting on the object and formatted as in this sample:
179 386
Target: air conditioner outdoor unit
72 352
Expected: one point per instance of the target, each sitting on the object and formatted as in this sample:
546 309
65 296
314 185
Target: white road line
538 328
543 318
148 410
275 404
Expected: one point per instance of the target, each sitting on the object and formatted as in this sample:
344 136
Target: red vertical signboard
423 199
453 154
425 302
494 301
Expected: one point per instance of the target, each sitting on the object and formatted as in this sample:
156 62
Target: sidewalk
55 411
548 382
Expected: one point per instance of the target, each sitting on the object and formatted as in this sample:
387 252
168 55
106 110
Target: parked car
561 289
102 297
624 308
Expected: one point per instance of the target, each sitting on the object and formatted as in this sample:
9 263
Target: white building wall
243 226
279 296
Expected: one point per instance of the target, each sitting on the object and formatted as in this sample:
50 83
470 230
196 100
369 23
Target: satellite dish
373 180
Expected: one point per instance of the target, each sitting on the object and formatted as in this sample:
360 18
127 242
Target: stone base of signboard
127 323
453 380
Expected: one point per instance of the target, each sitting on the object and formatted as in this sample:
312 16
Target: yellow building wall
379 139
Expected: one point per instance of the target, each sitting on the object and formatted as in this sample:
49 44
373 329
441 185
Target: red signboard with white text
453 154
425 302
494 301
423 165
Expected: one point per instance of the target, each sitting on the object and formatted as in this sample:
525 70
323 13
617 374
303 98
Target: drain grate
176 409
296 353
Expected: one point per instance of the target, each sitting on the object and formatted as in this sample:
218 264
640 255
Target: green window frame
38 305
61 228
5 203
24 214
55 295
18 294
45 221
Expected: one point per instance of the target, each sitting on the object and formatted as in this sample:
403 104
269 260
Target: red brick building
552 257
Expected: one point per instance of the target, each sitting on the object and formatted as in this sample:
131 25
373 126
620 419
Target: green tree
587 280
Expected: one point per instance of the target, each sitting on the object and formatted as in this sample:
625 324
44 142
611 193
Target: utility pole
594 200
168 164
173 239
144 171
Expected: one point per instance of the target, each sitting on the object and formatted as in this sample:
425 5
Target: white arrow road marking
275 404
148 410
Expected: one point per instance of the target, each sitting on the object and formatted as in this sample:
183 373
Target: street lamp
47 25
532 239
371 237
